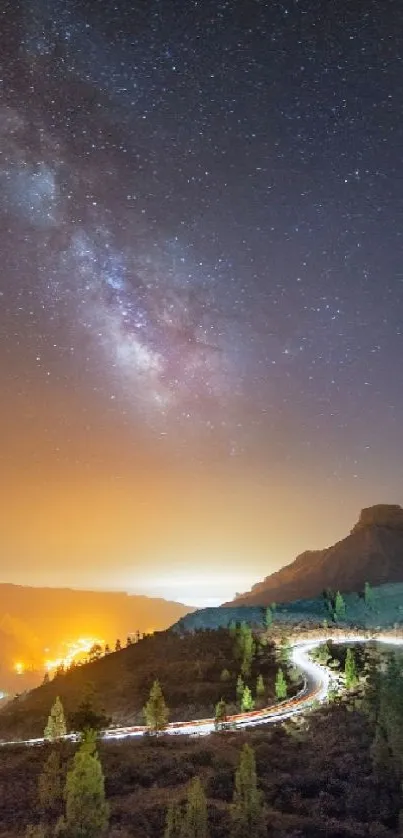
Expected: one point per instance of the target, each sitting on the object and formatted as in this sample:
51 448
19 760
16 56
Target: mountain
40 623
372 552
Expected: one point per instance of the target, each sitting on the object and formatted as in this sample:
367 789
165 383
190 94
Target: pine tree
118 645
87 812
220 715
46 678
268 617
156 712
368 594
350 670
95 652
107 649
247 811
195 822
247 702
50 787
248 651
129 640
339 606
232 629
260 689
280 685
88 716
56 725
173 822
240 686
284 651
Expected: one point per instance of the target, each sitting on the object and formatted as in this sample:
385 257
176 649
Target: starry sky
201 286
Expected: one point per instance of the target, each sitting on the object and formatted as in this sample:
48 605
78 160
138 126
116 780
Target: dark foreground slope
373 552
318 785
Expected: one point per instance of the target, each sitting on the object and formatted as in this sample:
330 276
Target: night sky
201 310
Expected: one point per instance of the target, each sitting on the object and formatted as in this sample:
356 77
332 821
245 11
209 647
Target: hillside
373 552
318 784
385 611
36 622
189 669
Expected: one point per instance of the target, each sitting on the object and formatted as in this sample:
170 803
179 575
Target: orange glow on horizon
19 668
75 651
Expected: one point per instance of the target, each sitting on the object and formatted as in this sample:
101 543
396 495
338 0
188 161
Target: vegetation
195 817
339 606
260 687
50 788
247 814
156 712
56 724
247 702
317 777
86 812
350 670
121 683
88 716
281 685
221 715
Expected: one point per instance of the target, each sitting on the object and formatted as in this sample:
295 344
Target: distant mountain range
34 622
372 552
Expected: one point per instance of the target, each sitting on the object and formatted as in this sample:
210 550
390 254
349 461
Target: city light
73 651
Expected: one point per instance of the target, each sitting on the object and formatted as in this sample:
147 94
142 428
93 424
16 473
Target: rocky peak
381 515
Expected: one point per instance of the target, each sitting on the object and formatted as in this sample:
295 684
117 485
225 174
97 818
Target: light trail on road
315 689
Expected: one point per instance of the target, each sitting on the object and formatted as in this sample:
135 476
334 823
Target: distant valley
40 624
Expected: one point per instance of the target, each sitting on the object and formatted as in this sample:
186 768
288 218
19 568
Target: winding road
317 680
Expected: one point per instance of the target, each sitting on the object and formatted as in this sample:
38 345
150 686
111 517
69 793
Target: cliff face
373 552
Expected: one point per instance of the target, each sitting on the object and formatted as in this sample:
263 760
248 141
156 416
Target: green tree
260 689
56 724
368 594
248 653
268 617
173 822
284 650
195 821
240 686
350 670
280 686
247 811
247 702
220 715
86 812
156 712
225 676
50 787
232 629
88 716
323 654
339 606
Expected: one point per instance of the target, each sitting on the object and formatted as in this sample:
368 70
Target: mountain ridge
372 552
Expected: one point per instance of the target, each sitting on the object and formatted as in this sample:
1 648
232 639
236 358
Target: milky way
201 214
